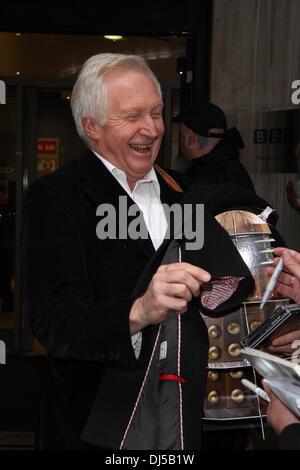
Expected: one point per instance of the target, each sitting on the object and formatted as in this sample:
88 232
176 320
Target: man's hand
278 415
171 288
288 283
284 344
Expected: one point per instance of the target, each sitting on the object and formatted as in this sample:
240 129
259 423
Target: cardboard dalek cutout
226 398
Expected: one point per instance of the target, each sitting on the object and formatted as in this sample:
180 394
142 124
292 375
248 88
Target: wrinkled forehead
131 88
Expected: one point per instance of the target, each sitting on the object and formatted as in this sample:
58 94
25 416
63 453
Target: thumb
267 389
265 386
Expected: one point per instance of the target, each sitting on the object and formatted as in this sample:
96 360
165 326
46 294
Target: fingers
179 290
180 279
285 344
288 283
198 273
285 349
165 303
267 389
291 260
171 289
271 395
288 338
286 279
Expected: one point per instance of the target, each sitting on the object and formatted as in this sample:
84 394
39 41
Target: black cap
206 116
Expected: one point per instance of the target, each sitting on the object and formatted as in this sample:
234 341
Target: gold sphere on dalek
252 237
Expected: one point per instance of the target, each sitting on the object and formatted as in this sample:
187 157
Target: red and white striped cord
141 389
178 373
179 368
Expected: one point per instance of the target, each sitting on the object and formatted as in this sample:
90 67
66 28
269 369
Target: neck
131 181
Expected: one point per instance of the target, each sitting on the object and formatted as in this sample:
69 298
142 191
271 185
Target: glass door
37 136
51 141
7 215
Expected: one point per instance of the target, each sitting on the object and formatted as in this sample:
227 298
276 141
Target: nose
151 126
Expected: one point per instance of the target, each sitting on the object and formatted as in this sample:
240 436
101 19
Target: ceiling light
65 95
113 37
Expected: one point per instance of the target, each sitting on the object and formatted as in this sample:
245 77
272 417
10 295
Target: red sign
44 146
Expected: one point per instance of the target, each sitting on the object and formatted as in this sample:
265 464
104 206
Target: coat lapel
100 186
97 182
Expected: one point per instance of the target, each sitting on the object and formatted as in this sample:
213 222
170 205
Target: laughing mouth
140 146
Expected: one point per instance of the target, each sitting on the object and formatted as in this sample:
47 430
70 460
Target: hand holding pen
288 282
272 282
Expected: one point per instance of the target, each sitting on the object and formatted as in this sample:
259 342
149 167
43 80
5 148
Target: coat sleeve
289 438
61 310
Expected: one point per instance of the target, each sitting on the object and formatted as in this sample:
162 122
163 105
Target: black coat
222 164
289 438
79 292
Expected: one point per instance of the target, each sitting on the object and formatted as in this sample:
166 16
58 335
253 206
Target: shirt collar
150 177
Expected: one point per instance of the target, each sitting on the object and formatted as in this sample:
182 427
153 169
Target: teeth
140 146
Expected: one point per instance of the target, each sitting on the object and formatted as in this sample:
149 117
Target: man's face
131 137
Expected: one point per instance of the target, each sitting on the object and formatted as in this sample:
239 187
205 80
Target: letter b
2 92
2 352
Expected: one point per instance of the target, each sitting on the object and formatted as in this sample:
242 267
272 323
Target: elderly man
80 278
211 149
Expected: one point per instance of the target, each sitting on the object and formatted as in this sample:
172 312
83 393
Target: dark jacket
222 164
289 438
79 292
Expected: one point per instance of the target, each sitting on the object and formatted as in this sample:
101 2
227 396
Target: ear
91 128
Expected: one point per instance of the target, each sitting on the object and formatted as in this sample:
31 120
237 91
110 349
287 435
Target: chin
143 164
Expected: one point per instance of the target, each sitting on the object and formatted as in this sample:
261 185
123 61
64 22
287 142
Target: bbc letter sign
2 92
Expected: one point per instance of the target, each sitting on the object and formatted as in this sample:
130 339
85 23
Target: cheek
122 135
127 132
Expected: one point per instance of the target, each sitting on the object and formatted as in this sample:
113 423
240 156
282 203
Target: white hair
89 95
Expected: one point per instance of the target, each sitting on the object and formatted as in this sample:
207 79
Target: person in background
211 149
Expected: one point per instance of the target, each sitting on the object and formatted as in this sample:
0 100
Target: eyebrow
137 110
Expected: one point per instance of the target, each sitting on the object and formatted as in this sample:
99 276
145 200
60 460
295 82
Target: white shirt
146 195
